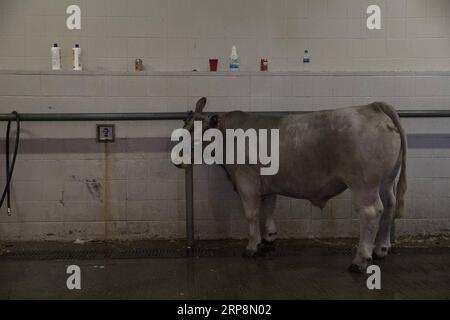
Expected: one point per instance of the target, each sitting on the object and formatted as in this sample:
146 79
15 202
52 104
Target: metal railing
154 116
178 115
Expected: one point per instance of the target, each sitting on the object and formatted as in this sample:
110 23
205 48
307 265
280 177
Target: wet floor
296 272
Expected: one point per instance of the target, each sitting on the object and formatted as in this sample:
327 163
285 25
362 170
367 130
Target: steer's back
322 153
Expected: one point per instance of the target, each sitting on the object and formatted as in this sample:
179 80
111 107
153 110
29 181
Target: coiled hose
10 166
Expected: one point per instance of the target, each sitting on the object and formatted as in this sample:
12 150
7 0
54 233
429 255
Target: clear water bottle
306 60
234 59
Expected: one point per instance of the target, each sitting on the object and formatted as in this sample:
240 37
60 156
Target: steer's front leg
251 208
251 202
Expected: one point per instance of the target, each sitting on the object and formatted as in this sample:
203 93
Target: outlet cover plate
106 133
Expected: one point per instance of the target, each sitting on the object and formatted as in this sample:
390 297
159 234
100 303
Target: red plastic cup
213 64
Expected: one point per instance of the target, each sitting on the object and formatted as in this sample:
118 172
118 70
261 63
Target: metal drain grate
154 253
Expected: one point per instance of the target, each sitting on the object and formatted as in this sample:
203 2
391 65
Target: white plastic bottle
234 59
76 53
306 60
56 57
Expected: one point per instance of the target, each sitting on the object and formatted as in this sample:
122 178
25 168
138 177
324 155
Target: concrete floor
303 271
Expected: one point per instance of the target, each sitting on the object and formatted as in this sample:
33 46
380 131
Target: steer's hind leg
270 230
369 206
269 203
383 239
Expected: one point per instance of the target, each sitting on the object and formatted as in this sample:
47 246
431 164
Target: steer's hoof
380 253
359 265
266 246
354 268
250 253
375 256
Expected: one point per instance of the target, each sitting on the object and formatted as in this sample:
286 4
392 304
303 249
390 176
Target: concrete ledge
228 73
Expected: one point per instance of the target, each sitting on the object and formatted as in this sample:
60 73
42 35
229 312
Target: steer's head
208 121
198 115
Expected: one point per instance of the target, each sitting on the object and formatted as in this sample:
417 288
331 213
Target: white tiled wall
67 186
183 34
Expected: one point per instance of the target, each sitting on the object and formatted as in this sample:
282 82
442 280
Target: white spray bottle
76 55
234 59
56 57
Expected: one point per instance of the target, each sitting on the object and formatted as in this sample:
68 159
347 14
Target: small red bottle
264 65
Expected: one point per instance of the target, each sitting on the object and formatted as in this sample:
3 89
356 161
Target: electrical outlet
106 133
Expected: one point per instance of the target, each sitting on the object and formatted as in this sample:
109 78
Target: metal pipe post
189 184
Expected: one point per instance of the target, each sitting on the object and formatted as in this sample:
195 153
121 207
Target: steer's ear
200 105
213 121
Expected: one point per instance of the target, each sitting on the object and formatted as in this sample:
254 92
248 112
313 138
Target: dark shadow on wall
162 144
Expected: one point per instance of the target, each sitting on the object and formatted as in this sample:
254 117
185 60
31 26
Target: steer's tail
401 184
